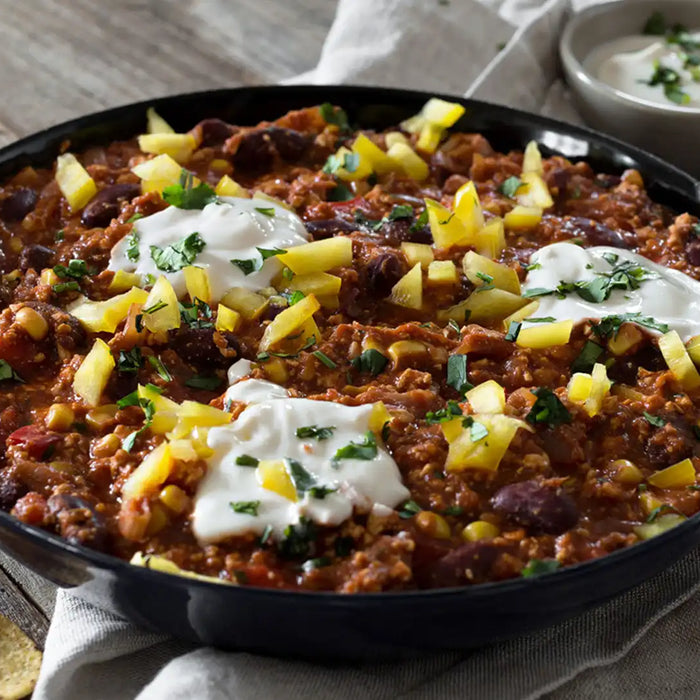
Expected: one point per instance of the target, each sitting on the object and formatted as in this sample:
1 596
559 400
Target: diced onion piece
394 137
483 306
408 161
491 240
447 228
627 337
442 272
156 123
678 360
379 417
74 181
442 113
150 474
524 218
545 335
378 160
579 387
693 349
179 147
152 561
417 253
247 303
228 187
273 476
532 159
534 192
676 476
476 267
662 524
123 281
521 314
168 316
486 453
600 387
468 208
289 321
105 316
317 283
197 283
318 256
92 376
408 291
226 319
429 138
488 397
361 171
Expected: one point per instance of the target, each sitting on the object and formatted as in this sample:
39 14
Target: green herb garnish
371 361
537 567
510 186
130 361
178 255
587 357
200 381
246 461
6 372
160 368
313 431
132 246
298 539
513 330
187 195
322 357
477 431
409 509
245 507
443 415
457 376
334 115
547 409
367 449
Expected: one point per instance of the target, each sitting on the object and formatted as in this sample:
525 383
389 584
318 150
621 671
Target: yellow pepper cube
156 124
482 271
408 291
160 403
467 207
183 450
226 319
676 476
318 256
197 283
579 387
442 272
678 360
408 161
247 303
228 187
395 137
276 370
74 181
414 124
480 530
150 474
92 376
442 113
600 387
545 335
521 314
379 417
288 321
105 316
522 218
358 168
160 310
429 138
369 151
534 192
179 147
317 283
447 228
532 159
489 305
417 253
158 172
627 337
491 240
123 281
405 353
273 476
488 397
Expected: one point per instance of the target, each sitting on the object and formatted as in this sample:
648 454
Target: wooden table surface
61 59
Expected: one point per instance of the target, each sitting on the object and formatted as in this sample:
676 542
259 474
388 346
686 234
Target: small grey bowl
672 132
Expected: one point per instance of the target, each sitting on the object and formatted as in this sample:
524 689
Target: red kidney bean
469 562
196 346
35 257
78 520
214 131
106 204
327 228
594 232
18 204
383 272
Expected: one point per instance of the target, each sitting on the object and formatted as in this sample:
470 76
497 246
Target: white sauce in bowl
670 297
232 228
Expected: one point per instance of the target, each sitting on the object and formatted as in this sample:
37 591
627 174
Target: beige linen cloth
643 645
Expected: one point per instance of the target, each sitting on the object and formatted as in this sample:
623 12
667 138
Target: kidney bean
624 369
257 149
395 232
291 145
594 232
18 204
196 346
106 204
536 507
35 257
383 272
692 251
469 562
10 491
214 131
327 228
35 440
78 520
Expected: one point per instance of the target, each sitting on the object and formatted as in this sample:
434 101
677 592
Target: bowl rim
123 568
574 67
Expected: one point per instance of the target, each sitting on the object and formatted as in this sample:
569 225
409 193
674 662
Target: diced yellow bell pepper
74 181
197 283
183 450
226 319
406 353
485 453
318 256
156 123
273 476
317 283
329 301
532 159
368 150
600 387
678 360
545 335
259 194
276 370
247 303
447 228
481 271
442 113
228 187
491 240
288 321
534 192
417 253
662 524
92 376
649 502
150 474
442 272
123 281
166 313
693 349
487 397
579 387
193 415
429 138
179 147
362 170
395 137
492 304
158 173
408 291
414 124
468 208
521 314
105 316
160 402
408 161
676 476
627 337
379 417
152 561
524 218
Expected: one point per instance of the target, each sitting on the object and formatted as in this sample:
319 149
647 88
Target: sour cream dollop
231 228
669 296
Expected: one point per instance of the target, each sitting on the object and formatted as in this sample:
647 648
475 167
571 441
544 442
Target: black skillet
328 625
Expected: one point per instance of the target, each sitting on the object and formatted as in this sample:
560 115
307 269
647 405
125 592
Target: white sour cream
627 64
232 229
671 297
267 431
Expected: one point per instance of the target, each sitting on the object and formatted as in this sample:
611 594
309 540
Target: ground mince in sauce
300 355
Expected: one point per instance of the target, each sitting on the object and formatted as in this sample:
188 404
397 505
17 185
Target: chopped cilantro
322 357
247 265
59 235
587 357
264 356
541 319
6 372
313 431
513 331
610 325
409 509
477 431
531 266
189 314
298 539
134 218
149 410
656 421
287 274
537 567
178 255
266 253
296 296
371 361
420 222
487 279
200 381
537 292
367 449
130 361
453 510
302 479
160 368
340 193
349 162
187 195
246 461
547 409
245 507
457 376
444 414
510 186
334 115
454 325
156 306
267 211
670 80
266 535
132 246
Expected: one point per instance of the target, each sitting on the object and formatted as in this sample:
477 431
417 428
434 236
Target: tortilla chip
19 662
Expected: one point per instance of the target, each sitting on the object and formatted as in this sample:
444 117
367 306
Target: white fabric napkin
642 645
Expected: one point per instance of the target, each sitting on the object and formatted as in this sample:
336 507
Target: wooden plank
20 609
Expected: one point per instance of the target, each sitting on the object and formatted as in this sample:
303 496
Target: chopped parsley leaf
149 410
510 186
547 409
420 223
266 253
200 381
349 162
655 24
477 431
610 325
246 265
443 415
537 567
488 279
134 218
313 431
367 449
340 193
296 296
587 357
6 372
541 319
531 266
322 357
334 115
371 361
132 246
246 461
656 421
178 255
264 356
453 510
302 479
298 539
454 325
513 331
189 314
187 195
409 509
457 376
130 361
245 507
